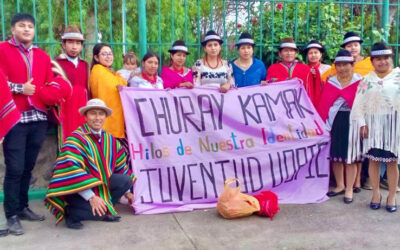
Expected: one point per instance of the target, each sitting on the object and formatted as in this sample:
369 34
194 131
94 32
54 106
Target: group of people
357 97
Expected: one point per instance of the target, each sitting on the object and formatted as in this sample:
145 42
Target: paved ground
330 225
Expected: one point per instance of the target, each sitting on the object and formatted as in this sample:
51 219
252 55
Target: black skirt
380 155
340 137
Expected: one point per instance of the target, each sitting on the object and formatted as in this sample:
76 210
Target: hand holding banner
185 143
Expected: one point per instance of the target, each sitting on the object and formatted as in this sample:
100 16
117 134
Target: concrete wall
44 163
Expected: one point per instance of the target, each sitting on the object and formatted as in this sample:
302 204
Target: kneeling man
90 174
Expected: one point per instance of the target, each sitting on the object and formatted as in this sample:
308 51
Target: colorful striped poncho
85 163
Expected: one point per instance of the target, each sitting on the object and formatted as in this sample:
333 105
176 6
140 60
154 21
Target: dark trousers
79 209
21 147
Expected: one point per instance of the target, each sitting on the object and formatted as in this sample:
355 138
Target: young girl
130 68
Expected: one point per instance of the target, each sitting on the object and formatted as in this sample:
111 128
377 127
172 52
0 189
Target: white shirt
75 60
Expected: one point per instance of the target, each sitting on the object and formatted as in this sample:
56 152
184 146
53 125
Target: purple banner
185 143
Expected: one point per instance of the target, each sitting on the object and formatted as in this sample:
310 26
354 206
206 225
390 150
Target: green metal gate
140 25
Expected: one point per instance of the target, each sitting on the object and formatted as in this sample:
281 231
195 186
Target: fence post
385 19
142 28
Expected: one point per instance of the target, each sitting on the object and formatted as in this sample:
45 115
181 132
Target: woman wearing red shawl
314 52
289 68
335 106
177 75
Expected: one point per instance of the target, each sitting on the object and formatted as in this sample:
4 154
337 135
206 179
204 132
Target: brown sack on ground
234 204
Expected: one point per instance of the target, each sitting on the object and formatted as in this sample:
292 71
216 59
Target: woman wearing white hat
247 70
335 106
177 75
376 117
212 70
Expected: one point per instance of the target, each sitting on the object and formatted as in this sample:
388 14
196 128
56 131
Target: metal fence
140 25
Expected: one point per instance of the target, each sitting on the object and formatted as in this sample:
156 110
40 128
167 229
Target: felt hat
245 38
314 44
344 56
350 37
95 103
288 42
179 45
72 32
211 35
380 49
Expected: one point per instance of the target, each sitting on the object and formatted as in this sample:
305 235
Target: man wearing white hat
77 72
90 174
290 68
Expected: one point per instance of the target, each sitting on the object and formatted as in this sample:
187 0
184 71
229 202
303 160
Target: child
130 68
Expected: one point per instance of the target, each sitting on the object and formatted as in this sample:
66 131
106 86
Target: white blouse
206 76
139 82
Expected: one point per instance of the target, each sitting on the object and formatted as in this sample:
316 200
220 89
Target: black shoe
73 224
14 225
391 209
71 221
356 190
333 193
28 214
111 218
347 200
3 232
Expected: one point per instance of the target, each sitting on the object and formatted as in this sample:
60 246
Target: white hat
95 104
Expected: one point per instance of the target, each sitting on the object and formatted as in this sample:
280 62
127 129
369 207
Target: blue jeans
21 147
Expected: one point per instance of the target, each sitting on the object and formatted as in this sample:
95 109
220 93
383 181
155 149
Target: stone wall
44 163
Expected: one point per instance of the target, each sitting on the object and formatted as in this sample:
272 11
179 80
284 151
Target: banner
184 143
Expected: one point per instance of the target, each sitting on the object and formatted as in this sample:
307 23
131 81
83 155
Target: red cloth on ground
79 78
280 72
17 70
268 203
331 93
9 114
172 79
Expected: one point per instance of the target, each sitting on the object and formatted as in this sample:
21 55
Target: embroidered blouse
206 76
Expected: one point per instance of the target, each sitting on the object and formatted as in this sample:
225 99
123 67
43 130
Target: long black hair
96 52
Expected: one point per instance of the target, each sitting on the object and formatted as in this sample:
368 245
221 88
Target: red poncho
312 83
79 78
9 114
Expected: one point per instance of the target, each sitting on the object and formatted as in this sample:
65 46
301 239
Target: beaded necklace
208 64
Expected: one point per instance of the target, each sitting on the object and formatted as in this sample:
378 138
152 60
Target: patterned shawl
85 163
377 105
